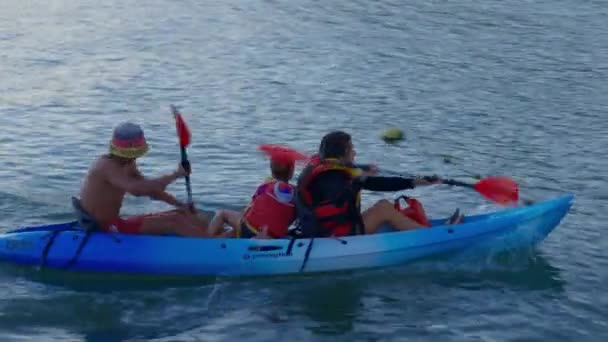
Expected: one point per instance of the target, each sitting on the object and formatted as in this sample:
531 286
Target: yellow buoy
393 135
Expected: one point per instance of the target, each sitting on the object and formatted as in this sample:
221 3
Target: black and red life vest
332 217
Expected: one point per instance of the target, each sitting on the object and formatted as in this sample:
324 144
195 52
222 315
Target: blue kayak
63 246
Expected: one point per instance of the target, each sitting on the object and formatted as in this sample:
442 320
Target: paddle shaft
186 166
366 167
458 183
452 182
184 157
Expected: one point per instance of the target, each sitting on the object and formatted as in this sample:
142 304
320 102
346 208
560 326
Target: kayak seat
85 220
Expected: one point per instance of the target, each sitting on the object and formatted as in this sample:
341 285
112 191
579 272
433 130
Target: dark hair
281 171
334 145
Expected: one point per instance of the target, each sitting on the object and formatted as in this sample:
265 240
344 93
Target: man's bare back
98 195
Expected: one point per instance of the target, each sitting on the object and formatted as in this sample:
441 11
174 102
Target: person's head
128 142
338 145
282 170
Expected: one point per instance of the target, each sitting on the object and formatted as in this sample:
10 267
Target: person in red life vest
272 208
328 201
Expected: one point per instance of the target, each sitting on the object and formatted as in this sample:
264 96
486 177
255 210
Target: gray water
515 88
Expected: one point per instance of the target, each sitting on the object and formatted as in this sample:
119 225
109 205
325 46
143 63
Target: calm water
480 87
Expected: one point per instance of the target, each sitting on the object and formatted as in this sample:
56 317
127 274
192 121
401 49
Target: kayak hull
169 255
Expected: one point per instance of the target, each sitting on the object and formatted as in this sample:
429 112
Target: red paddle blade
182 129
501 190
282 153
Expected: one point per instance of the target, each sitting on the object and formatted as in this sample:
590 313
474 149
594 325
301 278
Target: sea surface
516 88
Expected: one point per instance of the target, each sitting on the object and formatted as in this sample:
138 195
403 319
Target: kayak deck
172 255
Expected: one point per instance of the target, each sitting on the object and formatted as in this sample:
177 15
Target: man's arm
163 196
164 180
135 184
169 199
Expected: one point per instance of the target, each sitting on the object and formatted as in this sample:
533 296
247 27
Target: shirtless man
113 175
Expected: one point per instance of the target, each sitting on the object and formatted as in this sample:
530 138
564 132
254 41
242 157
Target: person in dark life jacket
328 201
270 212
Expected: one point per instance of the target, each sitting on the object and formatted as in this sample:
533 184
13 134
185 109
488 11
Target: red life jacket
327 218
266 210
414 210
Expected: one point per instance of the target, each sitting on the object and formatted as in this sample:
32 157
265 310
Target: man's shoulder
104 165
102 162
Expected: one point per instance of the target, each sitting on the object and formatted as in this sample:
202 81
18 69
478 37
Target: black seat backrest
85 220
